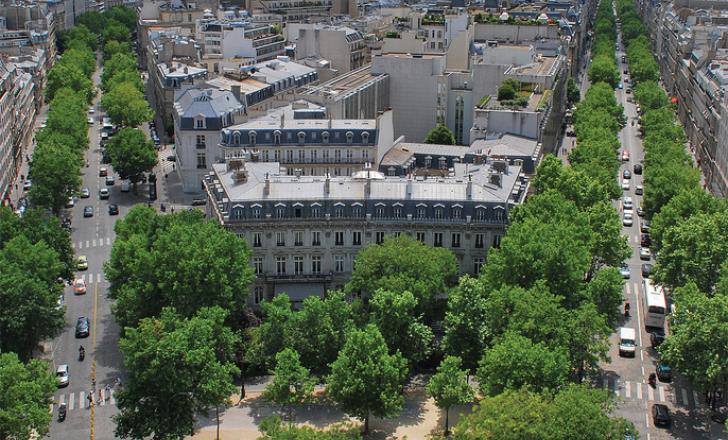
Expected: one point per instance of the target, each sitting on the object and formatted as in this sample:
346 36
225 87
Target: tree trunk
366 424
447 421
217 416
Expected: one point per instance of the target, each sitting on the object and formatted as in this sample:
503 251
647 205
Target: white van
125 186
627 342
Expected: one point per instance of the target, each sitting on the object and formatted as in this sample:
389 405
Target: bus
655 306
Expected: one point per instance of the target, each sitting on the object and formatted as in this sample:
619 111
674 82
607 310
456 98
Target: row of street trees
689 227
603 66
35 250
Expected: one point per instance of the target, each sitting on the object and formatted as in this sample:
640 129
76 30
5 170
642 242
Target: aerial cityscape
364 219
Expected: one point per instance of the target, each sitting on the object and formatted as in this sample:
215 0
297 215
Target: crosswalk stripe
626 289
650 393
93 243
102 401
90 278
636 288
108 241
639 391
71 400
81 398
80 245
627 390
662 393
73 245
87 243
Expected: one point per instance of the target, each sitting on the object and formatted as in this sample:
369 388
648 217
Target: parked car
62 375
628 90
172 158
70 202
638 189
625 272
83 327
645 253
199 202
81 262
79 286
88 211
110 180
90 120
103 172
664 372
104 193
645 240
646 270
661 415
85 193
625 155
637 168
27 184
640 211
113 209
625 184
645 226
626 174
657 337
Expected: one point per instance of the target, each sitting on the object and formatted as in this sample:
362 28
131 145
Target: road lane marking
108 241
627 390
662 393
81 398
71 401
90 278
87 244
626 288
650 393
636 288
639 391
73 245
684 394
93 243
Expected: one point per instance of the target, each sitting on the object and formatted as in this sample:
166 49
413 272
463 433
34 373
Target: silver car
62 375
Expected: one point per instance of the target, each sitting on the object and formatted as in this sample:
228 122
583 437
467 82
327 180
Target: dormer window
236 138
349 137
325 137
277 137
365 137
200 122
252 136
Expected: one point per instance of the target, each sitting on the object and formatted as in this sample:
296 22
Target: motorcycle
626 310
62 412
652 380
81 354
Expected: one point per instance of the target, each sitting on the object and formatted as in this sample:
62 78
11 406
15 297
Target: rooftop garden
433 19
495 19
392 34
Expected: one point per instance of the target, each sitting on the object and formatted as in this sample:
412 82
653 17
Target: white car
627 204
90 121
645 253
639 190
627 219
625 184
62 375
625 272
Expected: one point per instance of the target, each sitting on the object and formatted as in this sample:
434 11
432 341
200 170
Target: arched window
365 137
301 137
252 135
236 138
325 137
349 137
277 137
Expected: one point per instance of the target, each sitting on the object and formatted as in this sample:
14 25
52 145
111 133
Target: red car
79 286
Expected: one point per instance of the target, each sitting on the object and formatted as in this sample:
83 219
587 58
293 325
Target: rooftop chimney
266 188
327 185
469 188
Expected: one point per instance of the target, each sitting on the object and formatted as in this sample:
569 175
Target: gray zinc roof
211 103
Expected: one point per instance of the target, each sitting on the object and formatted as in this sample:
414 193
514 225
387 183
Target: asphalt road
627 377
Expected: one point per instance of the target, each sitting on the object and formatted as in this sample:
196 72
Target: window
455 240
314 156
479 240
499 215
277 137
301 156
477 264
397 211
480 214
438 212
420 237
281 265
339 238
289 156
325 137
315 238
496 241
326 155
438 239
337 155
252 136
257 239
280 211
380 211
421 212
338 263
457 213
256 212
380 237
315 211
298 265
298 238
276 156
315 264
356 238
258 265
200 123
237 214
365 155
200 141
349 137
356 211
201 161
259 294
280 238
338 211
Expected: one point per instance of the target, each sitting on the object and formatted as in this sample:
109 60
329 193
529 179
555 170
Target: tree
603 69
684 205
273 335
115 30
665 182
114 47
119 62
79 34
394 315
27 394
466 327
449 387
693 251
508 89
292 383
587 339
441 134
93 20
609 246
149 270
64 75
573 95
56 176
132 154
123 15
177 368
403 263
650 95
365 379
605 292
81 56
515 362
126 105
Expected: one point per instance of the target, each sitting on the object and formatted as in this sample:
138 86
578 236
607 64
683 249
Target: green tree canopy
27 393
440 135
123 15
466 326
56 176
508 89
132 154
450 387
119 62
365 379
684 205
404 264
93 20
176 368
126 105
274 429
292 383
115 30
64 75
79 34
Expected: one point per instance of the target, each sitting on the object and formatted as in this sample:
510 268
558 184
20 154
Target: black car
637 168
657 337
646 270
661 415
664 372
88 211
199 202
645 240
113 209
172 158
82 327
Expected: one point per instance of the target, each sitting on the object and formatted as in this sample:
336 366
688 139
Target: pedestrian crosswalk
79 400
90 278
662 393
96 242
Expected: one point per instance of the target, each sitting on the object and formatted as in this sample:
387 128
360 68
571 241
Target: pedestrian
108 391
173 210
101 395
90 398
